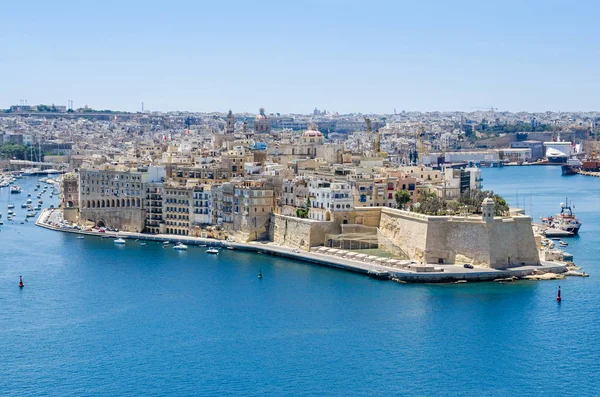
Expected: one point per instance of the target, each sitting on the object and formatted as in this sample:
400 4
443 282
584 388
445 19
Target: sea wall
503 243
300 233
129 219
512 243
405 230
71 214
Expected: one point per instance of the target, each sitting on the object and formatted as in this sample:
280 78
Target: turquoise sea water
95 319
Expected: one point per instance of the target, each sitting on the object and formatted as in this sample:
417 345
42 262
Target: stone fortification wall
71 214
512 242
130 219
250 228
366 216
504 243
300 233
406 230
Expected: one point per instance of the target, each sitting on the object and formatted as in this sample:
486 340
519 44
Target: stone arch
137 202
69 204
93 203
112 203
122 202
118 203
102 204
128 203
101 224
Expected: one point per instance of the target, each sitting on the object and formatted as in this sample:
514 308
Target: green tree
13 151
429 204
402 198
303 212
472 201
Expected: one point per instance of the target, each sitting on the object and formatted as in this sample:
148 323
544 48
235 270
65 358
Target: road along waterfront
49 218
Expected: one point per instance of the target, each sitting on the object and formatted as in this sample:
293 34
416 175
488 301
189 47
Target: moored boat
212 251
180 247
572 167
565 221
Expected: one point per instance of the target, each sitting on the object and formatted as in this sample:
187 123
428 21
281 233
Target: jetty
589 173
376 267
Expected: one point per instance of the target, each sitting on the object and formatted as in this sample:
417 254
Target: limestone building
177 209
262 123
115 197
69 190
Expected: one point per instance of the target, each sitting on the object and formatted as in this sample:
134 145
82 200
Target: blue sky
346 56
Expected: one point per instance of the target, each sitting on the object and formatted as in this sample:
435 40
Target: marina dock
424 273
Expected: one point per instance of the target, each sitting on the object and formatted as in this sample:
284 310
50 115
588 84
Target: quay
589 173
431 273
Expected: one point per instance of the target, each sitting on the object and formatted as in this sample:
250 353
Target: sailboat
260 276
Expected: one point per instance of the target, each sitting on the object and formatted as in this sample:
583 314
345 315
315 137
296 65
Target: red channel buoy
21 285
558 298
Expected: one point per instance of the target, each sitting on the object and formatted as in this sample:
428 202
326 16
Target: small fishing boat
166 243
143 244
563 243
21 285
119 241
80 237
180 247
11 206
212 251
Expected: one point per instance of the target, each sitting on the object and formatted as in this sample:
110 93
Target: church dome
312 134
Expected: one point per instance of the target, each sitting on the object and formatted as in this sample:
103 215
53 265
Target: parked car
468 266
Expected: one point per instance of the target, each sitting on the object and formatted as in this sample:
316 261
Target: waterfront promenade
50 219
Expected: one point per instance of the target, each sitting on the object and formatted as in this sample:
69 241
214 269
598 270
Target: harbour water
98 319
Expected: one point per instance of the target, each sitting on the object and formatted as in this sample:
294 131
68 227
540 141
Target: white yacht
212 250
119 241
180 247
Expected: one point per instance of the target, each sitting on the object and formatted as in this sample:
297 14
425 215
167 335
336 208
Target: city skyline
290 59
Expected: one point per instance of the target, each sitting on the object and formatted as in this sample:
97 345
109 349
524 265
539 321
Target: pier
589 173
417 273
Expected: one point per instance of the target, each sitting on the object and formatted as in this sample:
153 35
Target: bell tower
230 128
